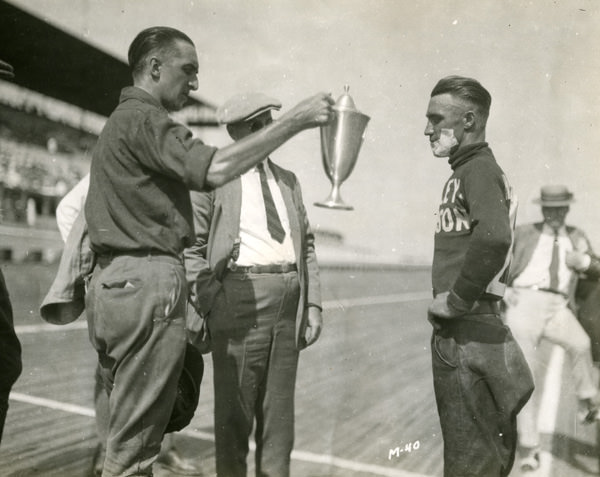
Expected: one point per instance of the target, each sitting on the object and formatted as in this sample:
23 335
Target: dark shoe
589 410
97 461
530 460
589 417
171 460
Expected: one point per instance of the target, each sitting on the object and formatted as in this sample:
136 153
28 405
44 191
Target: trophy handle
326 133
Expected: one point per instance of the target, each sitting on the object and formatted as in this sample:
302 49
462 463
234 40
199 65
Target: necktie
273 221
554 265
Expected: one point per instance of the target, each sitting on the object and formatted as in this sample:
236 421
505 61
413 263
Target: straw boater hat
554 196
6 70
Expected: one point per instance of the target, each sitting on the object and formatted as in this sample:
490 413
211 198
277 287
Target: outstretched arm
236 158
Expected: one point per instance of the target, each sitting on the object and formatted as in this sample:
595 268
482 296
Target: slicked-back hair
158 38
467 89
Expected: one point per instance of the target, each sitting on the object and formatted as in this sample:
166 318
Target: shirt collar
134 92
465 154
546 229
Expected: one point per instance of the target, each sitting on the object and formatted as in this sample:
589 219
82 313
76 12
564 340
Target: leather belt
546 290
276 268
107 257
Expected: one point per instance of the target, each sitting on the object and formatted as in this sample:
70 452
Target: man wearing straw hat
549 257
10 348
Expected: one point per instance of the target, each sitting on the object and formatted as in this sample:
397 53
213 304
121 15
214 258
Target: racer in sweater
481 379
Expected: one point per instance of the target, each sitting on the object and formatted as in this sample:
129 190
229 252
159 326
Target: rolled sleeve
196 162
172 150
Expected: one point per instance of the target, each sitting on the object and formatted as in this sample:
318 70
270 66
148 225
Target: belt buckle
288 267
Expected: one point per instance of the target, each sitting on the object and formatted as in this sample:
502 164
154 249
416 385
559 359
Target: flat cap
242 107
6 70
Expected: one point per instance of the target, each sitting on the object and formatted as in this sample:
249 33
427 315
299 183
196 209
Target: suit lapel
231 204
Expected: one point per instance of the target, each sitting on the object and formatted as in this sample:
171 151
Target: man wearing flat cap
549 258
253 273
10 348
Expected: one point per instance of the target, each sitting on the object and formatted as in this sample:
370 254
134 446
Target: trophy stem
334 200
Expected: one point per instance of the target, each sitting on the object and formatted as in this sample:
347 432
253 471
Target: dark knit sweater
474 231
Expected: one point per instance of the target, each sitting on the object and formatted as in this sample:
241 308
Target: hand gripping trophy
340 143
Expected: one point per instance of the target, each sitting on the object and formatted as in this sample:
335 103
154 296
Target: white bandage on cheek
445 143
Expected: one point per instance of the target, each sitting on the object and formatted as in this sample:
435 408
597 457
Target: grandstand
51 114
50 117
41 158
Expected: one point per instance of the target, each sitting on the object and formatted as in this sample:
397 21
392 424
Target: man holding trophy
253 274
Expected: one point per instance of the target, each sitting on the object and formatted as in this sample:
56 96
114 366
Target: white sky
539 60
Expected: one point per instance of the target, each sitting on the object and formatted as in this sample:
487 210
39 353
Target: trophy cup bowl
341 140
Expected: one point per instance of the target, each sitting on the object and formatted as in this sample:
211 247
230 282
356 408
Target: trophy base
332 204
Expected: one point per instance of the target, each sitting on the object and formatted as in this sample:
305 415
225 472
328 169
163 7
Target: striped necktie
273 221
554 264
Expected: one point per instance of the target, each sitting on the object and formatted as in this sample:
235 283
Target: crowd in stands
29 172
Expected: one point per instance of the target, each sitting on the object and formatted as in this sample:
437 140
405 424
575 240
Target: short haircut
158 38
467 89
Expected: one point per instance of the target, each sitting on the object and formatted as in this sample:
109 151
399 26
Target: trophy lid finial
345 101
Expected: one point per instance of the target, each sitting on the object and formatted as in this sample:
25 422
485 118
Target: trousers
255 360
533 315
481 382
10 352
136 308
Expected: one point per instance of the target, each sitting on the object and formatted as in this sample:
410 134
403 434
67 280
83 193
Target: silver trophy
340 143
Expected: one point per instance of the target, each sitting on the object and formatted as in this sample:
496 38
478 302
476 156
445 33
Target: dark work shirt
142 170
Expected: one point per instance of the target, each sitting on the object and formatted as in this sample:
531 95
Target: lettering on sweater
498 284
452 216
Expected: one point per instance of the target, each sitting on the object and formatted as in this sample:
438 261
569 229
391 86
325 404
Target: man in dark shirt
139 219
481 379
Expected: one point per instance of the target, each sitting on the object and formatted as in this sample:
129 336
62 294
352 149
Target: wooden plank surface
364 391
